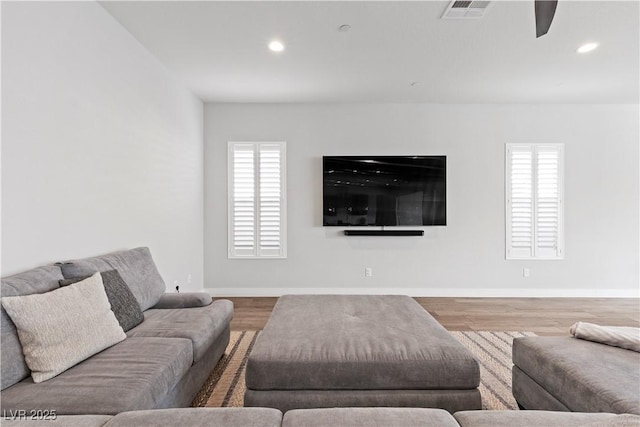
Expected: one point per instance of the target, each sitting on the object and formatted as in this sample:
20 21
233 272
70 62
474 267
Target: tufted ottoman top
357 342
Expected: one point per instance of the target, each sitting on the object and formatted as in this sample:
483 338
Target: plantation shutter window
534 201
257 205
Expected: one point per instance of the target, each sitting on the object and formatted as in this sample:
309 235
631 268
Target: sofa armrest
185 300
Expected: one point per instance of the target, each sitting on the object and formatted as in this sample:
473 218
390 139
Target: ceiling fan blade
545 9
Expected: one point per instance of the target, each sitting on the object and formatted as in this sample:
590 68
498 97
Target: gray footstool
320 351
569 374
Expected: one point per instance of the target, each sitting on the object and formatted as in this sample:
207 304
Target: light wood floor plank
544 316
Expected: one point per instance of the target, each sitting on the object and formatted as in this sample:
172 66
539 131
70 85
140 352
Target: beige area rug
493 351
225 386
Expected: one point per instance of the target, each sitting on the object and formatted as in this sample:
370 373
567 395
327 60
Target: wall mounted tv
384 190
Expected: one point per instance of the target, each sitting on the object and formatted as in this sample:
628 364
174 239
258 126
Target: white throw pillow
61 328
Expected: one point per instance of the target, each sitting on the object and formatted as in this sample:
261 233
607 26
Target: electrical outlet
526 272
368 272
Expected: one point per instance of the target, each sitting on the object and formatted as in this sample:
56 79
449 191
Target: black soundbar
384 232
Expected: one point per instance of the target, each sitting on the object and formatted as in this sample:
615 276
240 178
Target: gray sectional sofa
334 417
162 363
569 374
166 358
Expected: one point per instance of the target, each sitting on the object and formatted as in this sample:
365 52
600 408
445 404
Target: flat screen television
384 190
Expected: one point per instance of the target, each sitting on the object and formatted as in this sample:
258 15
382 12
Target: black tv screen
384 190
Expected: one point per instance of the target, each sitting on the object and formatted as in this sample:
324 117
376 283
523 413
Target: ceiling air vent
466 9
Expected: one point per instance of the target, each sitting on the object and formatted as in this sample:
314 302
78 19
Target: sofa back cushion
36 281
136 267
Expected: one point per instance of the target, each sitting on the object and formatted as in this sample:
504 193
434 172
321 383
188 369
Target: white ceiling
219 50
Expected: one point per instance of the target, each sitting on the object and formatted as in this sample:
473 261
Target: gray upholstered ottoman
319 351
570 374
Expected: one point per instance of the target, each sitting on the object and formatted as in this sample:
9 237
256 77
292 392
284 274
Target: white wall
467 256
101 147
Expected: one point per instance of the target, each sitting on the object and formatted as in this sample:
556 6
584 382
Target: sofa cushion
620 420
59 421
136 267
200 417
134 374
201 325
583 375
369 417
36 281
531 418
61 328
123 303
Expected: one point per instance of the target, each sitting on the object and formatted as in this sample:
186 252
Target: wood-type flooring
544 316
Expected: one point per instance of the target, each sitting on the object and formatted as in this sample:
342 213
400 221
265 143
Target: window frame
256 146
535 249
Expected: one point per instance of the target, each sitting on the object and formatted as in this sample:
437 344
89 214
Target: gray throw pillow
123 304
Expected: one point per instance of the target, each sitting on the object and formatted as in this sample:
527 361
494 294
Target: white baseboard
438 292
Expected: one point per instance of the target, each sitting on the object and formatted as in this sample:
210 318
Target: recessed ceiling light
276 46
588 47
344 28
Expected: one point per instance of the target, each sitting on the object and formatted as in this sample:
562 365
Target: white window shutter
257 205
549 200
270 207
519 202
534 201
242 201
